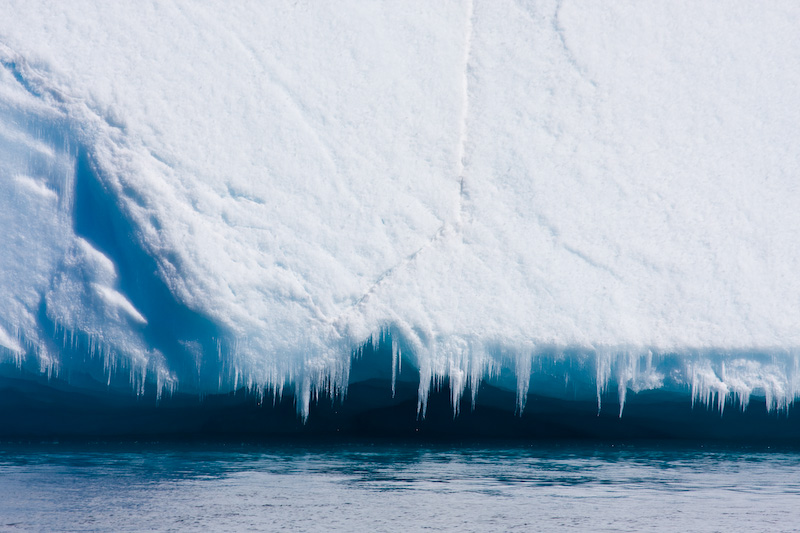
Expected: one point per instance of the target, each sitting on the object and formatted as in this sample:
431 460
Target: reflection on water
357 486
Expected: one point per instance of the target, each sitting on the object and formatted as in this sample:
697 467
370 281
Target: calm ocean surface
362 487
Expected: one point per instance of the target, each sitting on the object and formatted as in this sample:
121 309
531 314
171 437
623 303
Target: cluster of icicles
711 378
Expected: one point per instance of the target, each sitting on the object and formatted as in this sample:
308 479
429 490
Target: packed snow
205 195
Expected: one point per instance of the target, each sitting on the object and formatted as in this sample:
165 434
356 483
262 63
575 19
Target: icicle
303 398
395 356
425 382
457 385
523 374
476 375
603 374
626 372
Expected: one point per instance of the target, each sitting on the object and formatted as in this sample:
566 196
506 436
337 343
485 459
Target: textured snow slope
207 194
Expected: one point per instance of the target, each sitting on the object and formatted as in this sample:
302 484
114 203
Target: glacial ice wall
201 196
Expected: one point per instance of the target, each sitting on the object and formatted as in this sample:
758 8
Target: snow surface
209 195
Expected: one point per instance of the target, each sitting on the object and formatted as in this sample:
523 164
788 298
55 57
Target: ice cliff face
202 196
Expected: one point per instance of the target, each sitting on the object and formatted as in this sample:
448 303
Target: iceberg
552 200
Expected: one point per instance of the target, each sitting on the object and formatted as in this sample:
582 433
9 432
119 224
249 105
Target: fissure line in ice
462 136
446 227
570 55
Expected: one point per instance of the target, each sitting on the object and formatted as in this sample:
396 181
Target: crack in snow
447 227
591 261
570 55
462 137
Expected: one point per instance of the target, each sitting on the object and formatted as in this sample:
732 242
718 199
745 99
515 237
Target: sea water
358 486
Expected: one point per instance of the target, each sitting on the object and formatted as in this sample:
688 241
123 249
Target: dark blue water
363 487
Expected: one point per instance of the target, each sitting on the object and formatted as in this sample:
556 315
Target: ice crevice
570 55
448 229
462 134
